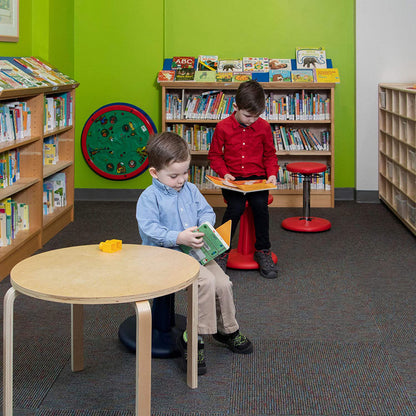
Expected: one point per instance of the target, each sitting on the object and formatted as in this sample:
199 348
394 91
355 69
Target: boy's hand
272 179
190 238
229 177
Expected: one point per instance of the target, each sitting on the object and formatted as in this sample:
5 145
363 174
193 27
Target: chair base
237 260
300 224
163 342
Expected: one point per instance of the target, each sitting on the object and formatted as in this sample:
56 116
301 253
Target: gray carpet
334 335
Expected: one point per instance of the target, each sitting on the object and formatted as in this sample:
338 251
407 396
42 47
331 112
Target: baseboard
88 194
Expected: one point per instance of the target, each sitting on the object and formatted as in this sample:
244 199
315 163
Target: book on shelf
242 76
253 64
185 74
280 75
181 62
14 217
224 77
310 58
230 65
205 76
327 75
166 75
15 75
302 75
280 64
216 242
54 192
207 63
243 186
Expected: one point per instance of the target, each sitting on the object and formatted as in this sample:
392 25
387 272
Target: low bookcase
192 109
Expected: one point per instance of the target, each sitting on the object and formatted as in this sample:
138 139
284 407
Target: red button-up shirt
243 151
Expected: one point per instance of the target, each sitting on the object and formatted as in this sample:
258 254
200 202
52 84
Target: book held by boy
244 186
216 241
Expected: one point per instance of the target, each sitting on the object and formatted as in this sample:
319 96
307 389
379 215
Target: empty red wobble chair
306 223
242 257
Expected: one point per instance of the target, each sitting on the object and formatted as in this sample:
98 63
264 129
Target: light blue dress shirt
162 213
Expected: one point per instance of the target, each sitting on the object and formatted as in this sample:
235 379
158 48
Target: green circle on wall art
114 139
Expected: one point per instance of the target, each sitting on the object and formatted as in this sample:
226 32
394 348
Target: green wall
115 49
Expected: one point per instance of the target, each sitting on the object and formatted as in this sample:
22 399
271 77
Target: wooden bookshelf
29 188
275 90
397 151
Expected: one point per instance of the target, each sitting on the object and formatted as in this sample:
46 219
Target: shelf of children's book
18 186
49 170
13 144
59 130
13 93
56 221
303 153
303 122
235 85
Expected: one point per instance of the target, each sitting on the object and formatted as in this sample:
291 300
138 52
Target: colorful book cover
216 241
255 64
280 64
205 76
310 58
242 76
302 75
241 186
327 75
224 76
166 75
230 65
207 63
280 75
185 74
180 62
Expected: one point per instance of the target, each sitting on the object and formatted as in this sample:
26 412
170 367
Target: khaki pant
216 309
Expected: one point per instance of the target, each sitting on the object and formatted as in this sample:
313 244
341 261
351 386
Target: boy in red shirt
242 148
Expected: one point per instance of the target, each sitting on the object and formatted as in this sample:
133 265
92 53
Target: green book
214 242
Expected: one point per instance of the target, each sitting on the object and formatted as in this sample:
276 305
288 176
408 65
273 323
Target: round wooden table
84 275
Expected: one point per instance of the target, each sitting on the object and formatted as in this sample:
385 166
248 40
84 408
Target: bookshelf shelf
29 188
186 123
397 151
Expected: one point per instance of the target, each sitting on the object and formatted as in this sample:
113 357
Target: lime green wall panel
118 51
235 29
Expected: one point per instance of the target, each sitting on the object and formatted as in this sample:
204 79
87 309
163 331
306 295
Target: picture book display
179 62
205 76
241 76
185 74
280 75
166 75
255 64
280 64
230 65
216 241
310 58
241 186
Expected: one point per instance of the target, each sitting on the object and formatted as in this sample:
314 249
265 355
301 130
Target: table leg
9 298
77 337
192 330
143 358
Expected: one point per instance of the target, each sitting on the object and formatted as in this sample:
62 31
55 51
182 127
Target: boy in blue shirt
168 213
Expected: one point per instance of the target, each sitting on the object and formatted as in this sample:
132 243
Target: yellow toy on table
110 246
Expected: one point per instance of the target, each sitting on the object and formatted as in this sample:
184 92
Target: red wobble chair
306 223
242 257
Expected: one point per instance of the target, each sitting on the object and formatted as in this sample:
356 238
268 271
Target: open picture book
241 186
216 241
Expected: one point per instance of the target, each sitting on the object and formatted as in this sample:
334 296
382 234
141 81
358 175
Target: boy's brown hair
166 148
250 97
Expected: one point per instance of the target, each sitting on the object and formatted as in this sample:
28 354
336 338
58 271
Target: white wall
385 52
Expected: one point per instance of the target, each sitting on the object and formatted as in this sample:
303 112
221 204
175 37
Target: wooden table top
87 275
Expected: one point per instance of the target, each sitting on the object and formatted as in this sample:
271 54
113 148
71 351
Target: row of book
9 168
14 217
58 112
198 137
309 65
54 193
285 179
29 72
297 106
300 139
217 105
15 121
